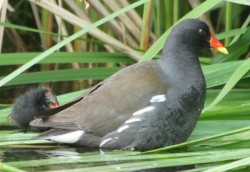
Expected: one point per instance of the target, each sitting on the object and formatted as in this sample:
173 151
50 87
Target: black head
41 98
192 35
30 104
193 32
46 99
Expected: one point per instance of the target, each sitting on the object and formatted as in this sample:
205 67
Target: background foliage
61 44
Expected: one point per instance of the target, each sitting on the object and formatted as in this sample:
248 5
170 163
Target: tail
75 137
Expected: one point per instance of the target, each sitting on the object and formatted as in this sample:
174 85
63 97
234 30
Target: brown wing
113 102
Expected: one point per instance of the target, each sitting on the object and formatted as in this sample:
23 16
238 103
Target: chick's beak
51 100
53 105
217 45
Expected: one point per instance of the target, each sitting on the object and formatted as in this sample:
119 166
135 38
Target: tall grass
96 42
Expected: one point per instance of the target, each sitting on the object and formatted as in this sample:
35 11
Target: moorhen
32 103
144 106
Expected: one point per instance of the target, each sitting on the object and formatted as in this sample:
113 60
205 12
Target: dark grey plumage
32 103
144 106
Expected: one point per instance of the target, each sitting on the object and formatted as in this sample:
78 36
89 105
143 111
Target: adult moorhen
144 106
32 103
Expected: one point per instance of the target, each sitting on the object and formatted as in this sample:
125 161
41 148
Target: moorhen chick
144 106
32 103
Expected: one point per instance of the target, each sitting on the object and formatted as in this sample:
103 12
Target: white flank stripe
105 141
122 128
71 137
146 109
132 120
158 98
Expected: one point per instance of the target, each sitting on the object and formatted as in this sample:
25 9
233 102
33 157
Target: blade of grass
96 32
144 43
244 26
7 168
152 164
24 28
230 166
114 24
124 19
236 76
66 57
243 2
198 140
176 6
64 42
228 16
63 75
233 32
3 7
166 160
25 142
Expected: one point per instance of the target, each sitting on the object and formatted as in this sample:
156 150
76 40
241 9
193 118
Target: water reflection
23 154
64 158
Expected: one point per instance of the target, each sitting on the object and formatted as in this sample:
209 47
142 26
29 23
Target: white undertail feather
70 138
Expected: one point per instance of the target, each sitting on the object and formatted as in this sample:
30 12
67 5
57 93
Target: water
71 158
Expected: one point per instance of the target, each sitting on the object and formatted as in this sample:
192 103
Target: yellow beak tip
222 50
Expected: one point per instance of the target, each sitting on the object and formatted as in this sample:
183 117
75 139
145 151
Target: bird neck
175 46
181 62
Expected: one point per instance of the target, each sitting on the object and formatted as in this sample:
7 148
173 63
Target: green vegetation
63 44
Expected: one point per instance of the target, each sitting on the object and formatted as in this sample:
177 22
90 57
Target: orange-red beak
217 45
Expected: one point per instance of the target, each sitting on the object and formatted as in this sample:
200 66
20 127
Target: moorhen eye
202 32
47 102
